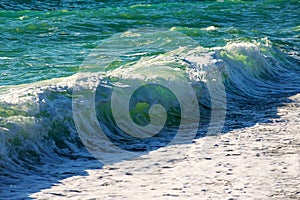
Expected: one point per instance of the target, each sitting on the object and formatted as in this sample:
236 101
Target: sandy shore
258 162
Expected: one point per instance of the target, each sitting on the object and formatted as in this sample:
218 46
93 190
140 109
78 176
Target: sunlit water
254 45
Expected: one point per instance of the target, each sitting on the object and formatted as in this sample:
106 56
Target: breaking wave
37 122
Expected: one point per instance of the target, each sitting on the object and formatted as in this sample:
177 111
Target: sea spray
37 119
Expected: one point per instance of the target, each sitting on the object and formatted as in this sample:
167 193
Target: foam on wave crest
36 122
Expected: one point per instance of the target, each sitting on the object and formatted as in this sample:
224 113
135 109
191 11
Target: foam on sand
258 162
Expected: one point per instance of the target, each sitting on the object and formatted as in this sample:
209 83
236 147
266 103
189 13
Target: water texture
252 46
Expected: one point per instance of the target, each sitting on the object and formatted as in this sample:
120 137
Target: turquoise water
252 46
39 45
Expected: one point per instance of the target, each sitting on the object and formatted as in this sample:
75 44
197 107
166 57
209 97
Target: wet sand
258 162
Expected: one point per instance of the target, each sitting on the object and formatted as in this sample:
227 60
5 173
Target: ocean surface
239 59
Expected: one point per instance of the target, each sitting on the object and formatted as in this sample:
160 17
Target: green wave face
40 115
